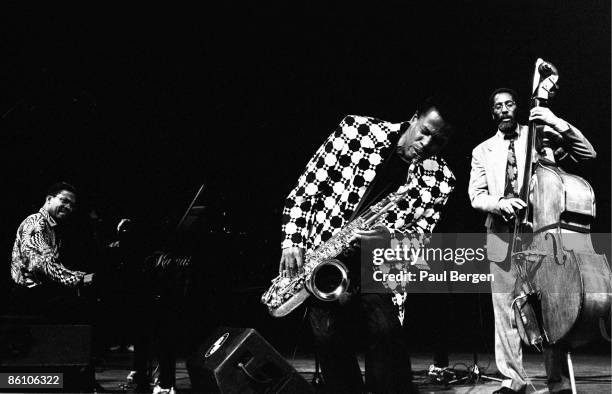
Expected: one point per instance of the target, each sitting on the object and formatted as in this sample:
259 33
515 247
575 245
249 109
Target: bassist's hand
291 261
510 206
547 117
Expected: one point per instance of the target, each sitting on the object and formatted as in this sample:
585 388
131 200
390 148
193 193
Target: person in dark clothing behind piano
126 294
153 285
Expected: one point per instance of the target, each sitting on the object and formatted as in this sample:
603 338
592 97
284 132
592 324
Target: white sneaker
131 378
159 390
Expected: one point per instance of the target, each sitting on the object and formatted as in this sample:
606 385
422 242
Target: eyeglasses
509 104
65 201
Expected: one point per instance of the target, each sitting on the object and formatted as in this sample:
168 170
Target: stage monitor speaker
48 348
239 360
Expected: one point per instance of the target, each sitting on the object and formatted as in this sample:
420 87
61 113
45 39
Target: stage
593 372
139 112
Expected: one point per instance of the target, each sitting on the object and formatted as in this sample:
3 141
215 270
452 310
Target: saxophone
287 293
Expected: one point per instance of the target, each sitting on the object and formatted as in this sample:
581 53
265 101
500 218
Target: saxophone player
360 163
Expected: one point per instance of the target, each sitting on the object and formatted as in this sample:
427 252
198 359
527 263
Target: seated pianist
43 285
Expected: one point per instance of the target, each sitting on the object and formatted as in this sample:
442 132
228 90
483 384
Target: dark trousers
166 335
157 338
387 362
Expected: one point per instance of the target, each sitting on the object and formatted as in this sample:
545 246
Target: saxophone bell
325 277
329 280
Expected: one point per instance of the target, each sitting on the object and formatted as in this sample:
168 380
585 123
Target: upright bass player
496 175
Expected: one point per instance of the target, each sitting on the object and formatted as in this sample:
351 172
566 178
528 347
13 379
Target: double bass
563 292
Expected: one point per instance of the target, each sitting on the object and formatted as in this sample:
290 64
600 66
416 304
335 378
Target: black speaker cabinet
48 348
239 360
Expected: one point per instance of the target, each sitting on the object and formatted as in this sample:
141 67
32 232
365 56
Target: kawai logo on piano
217 345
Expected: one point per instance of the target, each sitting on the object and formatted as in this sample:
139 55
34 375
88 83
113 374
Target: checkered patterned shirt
35 258
340 172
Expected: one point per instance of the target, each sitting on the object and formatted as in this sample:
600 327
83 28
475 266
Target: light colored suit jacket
487 180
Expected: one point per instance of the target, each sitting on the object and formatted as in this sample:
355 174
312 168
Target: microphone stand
317 377
473 374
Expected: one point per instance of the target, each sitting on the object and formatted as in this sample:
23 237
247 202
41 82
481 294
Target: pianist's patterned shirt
35 258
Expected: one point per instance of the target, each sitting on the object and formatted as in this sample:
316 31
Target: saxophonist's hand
377 237
291 261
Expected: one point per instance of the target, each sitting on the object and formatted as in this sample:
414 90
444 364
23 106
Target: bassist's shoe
507 390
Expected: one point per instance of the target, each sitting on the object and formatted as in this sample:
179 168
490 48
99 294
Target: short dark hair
445 107
59 187
502 90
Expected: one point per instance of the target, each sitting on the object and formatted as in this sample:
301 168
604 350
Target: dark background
139 107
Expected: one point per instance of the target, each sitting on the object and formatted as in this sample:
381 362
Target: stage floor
593 373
